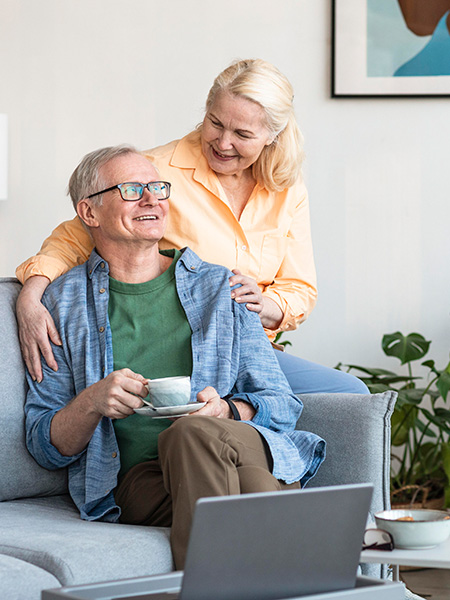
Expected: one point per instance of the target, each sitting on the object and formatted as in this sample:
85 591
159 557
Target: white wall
80 74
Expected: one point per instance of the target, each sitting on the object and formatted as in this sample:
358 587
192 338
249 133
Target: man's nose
149 198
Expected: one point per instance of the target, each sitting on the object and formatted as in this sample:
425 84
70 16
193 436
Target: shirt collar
189 259
188 155
95 261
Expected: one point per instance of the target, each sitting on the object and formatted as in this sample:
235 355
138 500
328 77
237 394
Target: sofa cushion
20 475
49 533
23 581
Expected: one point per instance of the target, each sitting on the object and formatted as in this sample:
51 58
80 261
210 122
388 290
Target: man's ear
86 210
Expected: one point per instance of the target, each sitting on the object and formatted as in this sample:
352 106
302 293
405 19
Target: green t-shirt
151 336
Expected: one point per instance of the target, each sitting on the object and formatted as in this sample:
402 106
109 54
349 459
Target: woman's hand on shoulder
36 327
249 294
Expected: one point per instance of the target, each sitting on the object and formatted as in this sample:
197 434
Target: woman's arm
294 286
285 297
69 244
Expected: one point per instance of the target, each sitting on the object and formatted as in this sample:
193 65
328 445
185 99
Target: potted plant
420 422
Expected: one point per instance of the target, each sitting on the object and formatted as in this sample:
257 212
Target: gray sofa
44 543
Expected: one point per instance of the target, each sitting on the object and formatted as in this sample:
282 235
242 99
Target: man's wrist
233 408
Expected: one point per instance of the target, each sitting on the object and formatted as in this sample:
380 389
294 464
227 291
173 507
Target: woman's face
234 134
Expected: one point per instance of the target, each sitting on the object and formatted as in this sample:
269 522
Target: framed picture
383 48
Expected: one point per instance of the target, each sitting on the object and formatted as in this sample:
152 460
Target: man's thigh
143 498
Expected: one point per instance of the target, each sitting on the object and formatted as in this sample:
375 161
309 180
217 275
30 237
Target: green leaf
405 348
445 453
373 372
436 420
403 419
377 388
443 383
406 397
425 428
442 413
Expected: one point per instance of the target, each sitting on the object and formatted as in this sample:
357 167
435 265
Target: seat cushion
20 475
20 580
48 533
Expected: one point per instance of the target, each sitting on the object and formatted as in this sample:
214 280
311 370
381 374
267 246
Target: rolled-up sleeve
294 287
68 245
43 401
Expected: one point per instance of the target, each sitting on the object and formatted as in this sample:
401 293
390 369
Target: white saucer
169 411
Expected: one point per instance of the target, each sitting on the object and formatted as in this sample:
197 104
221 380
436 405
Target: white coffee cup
169 391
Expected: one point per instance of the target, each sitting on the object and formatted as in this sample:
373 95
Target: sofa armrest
357 430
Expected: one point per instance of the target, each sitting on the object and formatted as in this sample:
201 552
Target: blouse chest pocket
273 251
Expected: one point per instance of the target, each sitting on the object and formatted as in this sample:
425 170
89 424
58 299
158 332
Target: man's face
138 221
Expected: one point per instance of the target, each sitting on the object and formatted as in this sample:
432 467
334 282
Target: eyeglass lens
135 191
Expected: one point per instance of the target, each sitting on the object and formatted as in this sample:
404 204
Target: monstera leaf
406 348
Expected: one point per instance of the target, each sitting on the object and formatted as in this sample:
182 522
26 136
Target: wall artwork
390 48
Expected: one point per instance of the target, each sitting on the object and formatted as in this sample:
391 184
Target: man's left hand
214 407
217 407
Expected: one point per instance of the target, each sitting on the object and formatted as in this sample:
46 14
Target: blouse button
244 247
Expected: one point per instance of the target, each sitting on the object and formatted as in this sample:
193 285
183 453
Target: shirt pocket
273 251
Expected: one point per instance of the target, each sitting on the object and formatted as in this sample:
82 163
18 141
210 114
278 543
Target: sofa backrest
20 475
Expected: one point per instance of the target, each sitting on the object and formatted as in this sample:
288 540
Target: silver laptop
274 545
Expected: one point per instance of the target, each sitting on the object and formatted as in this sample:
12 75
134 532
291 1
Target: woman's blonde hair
279 164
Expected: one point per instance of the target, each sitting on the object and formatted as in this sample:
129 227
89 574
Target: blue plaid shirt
230 352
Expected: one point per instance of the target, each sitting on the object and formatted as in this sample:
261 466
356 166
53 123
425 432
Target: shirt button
114 454
193 267
101 329
102 265
244 247
102 290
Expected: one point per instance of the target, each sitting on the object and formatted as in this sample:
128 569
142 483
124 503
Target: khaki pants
198 457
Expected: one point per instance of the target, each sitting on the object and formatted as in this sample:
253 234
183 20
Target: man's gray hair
86 180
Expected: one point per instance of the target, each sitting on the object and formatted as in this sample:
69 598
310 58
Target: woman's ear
86 210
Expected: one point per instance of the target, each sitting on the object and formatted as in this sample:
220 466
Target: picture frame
376 51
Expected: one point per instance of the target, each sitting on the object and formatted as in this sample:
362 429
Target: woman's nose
224 141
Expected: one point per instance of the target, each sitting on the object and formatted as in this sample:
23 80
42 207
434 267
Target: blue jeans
306 377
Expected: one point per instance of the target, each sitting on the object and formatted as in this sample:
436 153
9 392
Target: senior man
131 313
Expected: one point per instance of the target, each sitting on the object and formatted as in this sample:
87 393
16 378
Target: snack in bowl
169 391
414 529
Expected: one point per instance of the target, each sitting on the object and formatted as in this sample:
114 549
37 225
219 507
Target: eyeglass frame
144 186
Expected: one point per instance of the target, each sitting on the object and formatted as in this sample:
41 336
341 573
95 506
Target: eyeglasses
377 539
133 191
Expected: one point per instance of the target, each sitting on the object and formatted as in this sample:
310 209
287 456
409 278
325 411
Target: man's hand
115 397
214 407
217 407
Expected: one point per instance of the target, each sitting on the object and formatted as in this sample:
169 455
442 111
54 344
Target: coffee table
433 558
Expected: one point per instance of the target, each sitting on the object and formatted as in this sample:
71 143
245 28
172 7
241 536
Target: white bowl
169 391
428 529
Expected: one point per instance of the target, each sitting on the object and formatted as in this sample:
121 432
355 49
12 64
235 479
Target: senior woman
238 200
